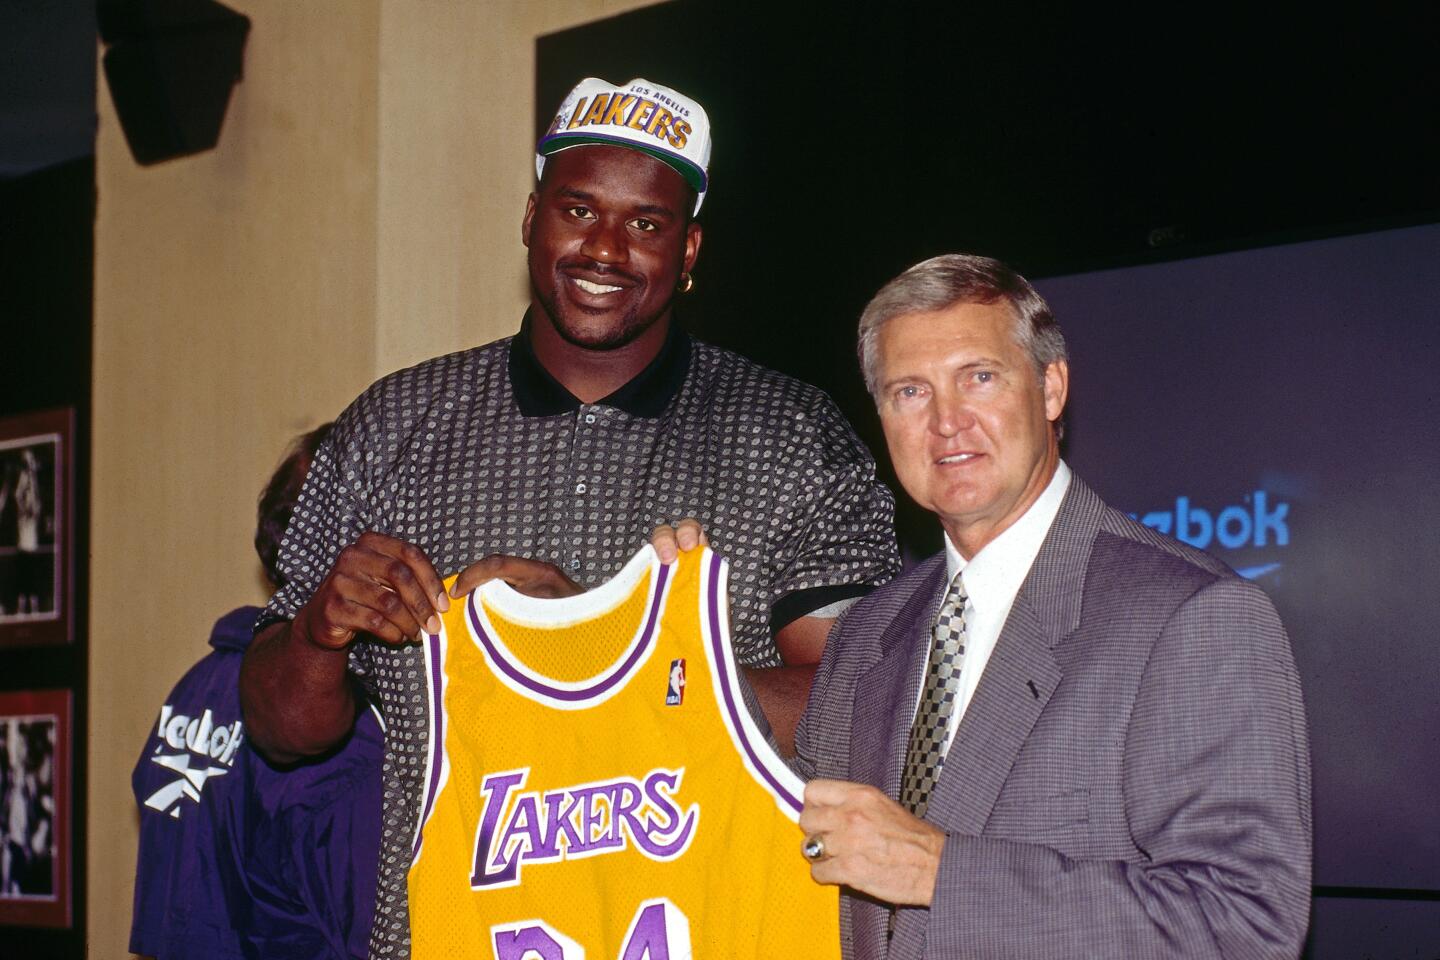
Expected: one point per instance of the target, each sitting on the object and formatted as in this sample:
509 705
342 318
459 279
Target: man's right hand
294 685
297 696
379 585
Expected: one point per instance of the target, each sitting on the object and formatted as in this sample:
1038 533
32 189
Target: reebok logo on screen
1254 522
194 749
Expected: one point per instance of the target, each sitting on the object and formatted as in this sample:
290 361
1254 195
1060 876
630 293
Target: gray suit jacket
1131 778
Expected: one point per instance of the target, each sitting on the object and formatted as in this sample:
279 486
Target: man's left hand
668 541
871 843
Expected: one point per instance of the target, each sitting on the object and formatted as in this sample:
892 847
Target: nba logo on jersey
675 689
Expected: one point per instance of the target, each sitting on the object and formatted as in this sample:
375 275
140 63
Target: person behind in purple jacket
239 859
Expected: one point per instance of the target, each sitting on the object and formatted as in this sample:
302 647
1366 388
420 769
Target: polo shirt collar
649 392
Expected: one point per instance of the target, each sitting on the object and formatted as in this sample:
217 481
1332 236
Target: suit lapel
1014 688
886 693
1022 672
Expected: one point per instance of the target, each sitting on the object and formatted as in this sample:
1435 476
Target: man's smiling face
967 417
609 235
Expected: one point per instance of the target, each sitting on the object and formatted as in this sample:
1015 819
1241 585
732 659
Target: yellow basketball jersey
596 788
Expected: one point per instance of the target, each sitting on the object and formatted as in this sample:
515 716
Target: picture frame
35 829
37 519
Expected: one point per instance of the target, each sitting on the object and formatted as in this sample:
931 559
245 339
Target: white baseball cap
644 116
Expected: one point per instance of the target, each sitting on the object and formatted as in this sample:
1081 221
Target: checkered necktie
926 753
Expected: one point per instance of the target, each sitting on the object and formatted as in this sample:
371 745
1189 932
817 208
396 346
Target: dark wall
47 85
851 142
46 268
47 216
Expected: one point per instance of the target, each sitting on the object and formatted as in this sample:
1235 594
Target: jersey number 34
658 931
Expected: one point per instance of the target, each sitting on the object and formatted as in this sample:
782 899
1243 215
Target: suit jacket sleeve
822 743
1216 798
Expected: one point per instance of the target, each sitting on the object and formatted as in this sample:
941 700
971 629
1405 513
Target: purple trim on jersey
719 654
437 747
605 683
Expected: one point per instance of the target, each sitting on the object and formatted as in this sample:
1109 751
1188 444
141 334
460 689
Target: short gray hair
943 282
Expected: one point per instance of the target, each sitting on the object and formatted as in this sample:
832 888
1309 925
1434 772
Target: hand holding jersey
668 541
378 585
870 843
390 590
381 587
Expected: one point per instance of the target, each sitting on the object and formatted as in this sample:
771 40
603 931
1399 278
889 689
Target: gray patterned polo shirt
483 452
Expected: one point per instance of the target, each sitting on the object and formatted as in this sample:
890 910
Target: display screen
1277 407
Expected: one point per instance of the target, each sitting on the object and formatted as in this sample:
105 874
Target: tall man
1065 736
557 451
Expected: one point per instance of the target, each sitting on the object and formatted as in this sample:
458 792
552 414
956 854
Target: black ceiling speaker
170 65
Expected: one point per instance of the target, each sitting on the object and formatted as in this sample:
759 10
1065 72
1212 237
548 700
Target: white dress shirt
992 578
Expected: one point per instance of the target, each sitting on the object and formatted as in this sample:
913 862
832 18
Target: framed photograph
36 517
35 808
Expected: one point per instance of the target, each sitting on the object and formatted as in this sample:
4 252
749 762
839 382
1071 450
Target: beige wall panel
221 281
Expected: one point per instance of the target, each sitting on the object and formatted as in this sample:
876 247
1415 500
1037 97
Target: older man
1065 736
547 458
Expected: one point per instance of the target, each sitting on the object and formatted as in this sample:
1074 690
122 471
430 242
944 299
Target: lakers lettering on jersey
596 788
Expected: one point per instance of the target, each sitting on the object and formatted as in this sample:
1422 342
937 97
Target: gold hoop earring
687 283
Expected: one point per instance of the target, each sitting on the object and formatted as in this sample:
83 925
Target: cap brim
561 141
